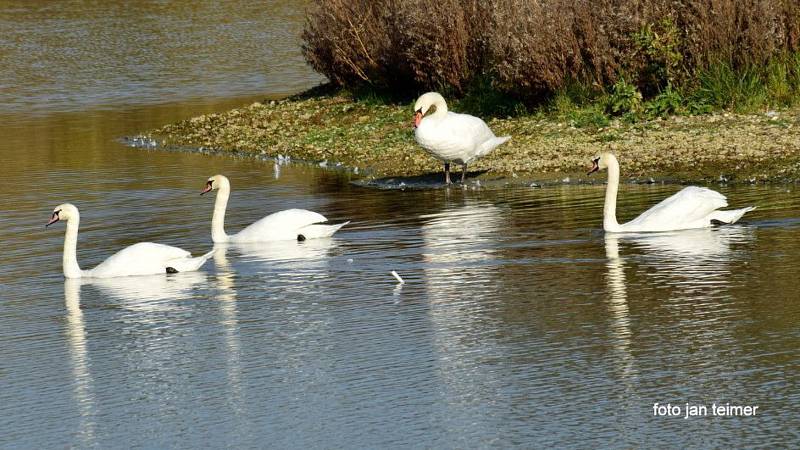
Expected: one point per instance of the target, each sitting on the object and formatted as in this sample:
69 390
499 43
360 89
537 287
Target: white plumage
145 258
452 137
286 225
691 207
290 224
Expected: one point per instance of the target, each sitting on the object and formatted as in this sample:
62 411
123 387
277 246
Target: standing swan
144 258
692 207
452 137
290 224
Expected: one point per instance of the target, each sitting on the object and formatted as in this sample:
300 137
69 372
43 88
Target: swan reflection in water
696 261
461 235
286 266
618 308
82 381
150 293
226 299
460 246
693 260
459 254
292 261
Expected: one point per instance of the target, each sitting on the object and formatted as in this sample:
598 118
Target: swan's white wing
457 137
688 208
320 231
189 264
279 226
145 258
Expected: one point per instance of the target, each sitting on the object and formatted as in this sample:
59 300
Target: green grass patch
720 87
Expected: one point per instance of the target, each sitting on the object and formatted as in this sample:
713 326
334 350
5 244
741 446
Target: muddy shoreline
374 143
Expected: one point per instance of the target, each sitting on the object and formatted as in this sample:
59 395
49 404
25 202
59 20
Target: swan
144 258
692 207
452 137
289 224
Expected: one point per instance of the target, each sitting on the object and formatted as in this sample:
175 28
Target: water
74 53
520 323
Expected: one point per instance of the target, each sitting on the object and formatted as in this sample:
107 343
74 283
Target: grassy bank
376 137
688 91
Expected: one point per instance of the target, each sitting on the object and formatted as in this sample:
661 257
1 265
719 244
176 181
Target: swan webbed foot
172 270
300 238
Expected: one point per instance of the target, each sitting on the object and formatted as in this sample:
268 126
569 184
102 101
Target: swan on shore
452 137
144 258
692 207
289 224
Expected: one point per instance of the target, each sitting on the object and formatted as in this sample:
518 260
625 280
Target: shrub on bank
394 45
689 55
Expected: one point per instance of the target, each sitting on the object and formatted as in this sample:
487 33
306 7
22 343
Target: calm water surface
520 324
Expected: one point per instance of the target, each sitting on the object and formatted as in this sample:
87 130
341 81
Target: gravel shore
376 140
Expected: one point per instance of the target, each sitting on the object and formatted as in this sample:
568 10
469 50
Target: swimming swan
692 207
144 258
452 137
290 224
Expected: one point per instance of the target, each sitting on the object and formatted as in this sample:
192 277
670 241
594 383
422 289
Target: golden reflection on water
77 76
74 55
79 140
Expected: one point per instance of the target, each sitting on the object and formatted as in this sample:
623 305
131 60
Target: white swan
144 258
289 224
452 137
692 207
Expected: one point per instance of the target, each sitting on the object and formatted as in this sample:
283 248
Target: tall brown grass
531 48
394 44
738 32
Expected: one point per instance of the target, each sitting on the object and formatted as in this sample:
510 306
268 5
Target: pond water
520 323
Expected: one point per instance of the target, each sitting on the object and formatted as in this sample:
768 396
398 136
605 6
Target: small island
677 95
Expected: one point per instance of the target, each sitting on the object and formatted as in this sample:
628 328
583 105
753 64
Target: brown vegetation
533 47
388 43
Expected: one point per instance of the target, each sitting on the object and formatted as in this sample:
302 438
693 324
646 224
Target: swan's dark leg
463 172
301 238
447 173
171 270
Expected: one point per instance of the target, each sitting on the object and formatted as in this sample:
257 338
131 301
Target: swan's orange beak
593 168
417 118
52 220
207 188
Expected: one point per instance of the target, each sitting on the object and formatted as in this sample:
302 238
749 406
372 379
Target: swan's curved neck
69 261
441 109
610 209
218 219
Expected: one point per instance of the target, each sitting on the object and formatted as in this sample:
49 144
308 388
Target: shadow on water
433 180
